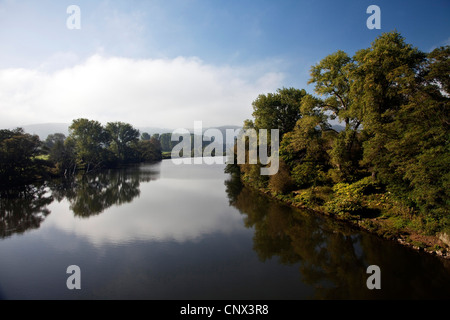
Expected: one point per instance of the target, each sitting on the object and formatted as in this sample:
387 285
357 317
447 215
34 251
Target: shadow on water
332 257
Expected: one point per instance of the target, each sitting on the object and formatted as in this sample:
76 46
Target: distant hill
44 129
152 130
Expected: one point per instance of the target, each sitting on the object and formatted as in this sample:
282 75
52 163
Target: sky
169 63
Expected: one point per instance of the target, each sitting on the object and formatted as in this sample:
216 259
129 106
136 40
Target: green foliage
62 154
90 142
309 197
332 79
19 158
305 148
383 72
123 139
90 146
145 136
93 146
394 102
279 110
345 154
407 121
308 174
166 142
149 150
52 139
348 198
251 173
281 182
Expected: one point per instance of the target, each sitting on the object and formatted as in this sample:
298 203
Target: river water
169 232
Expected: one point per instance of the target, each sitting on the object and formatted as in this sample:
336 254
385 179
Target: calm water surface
163 231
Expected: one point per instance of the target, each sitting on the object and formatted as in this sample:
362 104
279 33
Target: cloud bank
169 93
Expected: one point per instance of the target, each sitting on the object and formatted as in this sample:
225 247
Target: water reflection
332 257
166 231
26 208
92 194
23 209
120 207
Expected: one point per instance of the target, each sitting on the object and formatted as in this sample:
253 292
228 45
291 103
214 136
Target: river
168 232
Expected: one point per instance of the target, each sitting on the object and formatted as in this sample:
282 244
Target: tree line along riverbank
385 167
90 146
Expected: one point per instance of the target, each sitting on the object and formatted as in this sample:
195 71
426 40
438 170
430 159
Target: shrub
281 182
348 197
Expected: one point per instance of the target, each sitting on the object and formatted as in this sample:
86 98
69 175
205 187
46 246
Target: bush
308 174
281 182
348 197
305 197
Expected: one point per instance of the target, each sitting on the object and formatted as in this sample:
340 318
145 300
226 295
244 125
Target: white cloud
151 92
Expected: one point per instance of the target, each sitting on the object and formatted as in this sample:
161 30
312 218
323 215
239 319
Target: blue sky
169 63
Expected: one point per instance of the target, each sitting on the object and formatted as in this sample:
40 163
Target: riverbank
377 215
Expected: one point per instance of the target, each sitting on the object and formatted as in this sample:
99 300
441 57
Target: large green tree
304 149
279 110
19 157
123 140
62 154
382 74
332 77
149 150
53 138
417 160
90 142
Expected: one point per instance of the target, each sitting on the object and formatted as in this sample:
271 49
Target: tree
145 136
90 143
123 138
166 142
419 156
52 139
404 94
333 80
279 110
19 158
304 149
381 75
62 154
332 77
149 150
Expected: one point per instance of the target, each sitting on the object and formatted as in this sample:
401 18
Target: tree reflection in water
26 208
332 257
92 194
23 209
